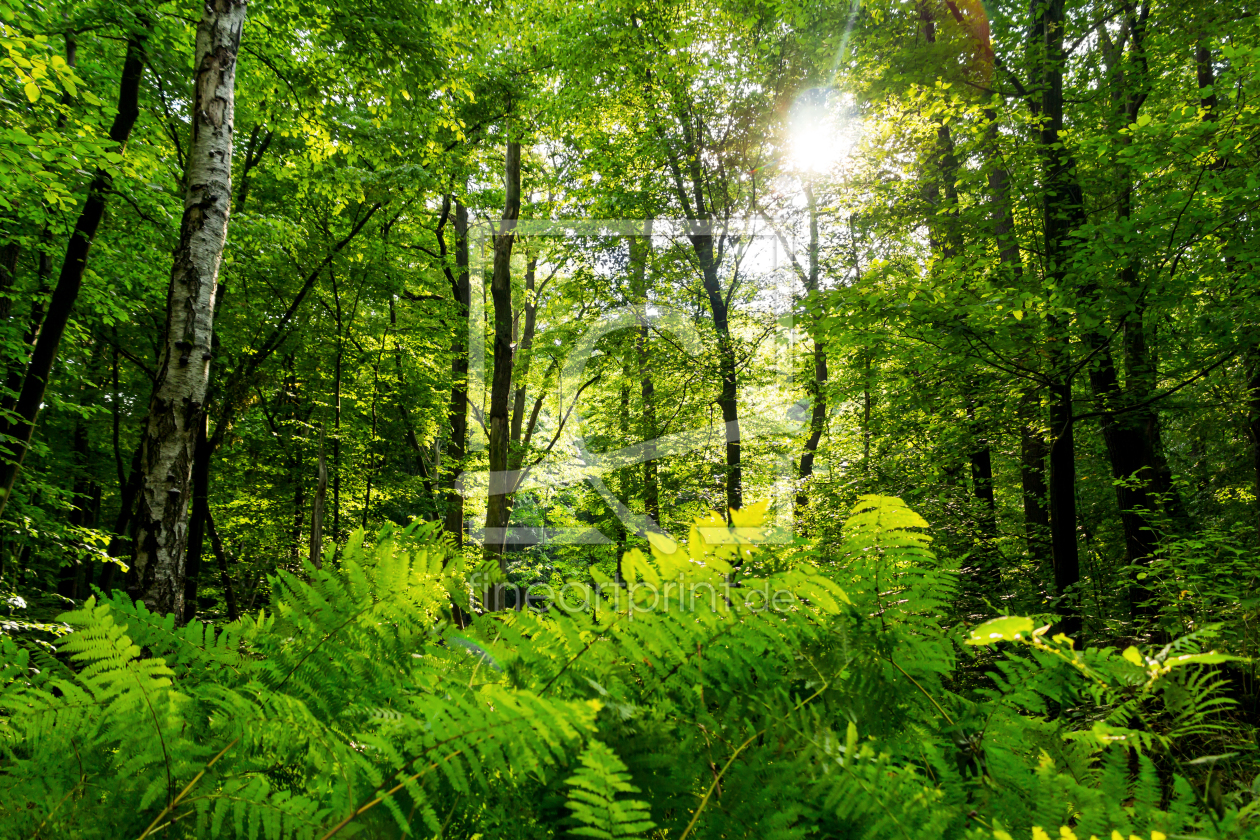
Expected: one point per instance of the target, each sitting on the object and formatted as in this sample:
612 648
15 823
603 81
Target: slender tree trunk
728 399
119 545
1063 212
409 428
520 373
640 255
72 578
1129 448
336 441
982 485
709 257
8 273
317 508
197 520
1254 385
817 385
521 361
176 407
374 462
457 413
868 402
1032 479
501 381
216 545
299 505
44 354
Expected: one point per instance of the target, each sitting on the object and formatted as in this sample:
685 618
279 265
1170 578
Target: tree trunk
818 385
728 399
119 545
501 381
336 442
457 412
1254 385
197 520
982 486
39 369
216 545
74 577
1032 479
520 373
374 463
700 212
640 255
317 508
1062 213
176 407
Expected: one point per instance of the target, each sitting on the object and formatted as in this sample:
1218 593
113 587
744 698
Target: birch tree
176 406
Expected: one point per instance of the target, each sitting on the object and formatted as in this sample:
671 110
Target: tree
178 401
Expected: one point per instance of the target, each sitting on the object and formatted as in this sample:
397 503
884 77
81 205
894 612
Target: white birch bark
177 403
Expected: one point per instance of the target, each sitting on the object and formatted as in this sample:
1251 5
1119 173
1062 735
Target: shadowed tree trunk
818 385
1062 213
44 354
457 413
1254 385
640 256
225 578
176 406
197 520
944 214
501 381
317 507
1032 479
1125 431
691 194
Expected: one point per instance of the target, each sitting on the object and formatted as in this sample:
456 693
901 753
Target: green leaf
1007 629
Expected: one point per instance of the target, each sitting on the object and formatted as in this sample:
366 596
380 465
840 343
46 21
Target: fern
351 703
597 797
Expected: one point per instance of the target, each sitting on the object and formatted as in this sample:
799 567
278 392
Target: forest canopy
618 419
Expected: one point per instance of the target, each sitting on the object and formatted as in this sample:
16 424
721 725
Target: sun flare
820 133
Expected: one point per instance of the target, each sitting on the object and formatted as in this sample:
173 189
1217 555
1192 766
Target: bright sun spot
820 134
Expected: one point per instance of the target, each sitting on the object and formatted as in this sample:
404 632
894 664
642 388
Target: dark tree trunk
457 412
317 507
1062 213
216 545
1032 479
709 256
982 487
120 545
8 272
521 359
197 520
817 385
501 380
1254 385
75 576
640 255
336 441
39 369
728 399
1126 431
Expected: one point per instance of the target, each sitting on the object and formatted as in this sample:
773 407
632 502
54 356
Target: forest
630 419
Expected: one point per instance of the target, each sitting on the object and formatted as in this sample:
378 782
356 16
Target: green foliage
593 797
641 710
